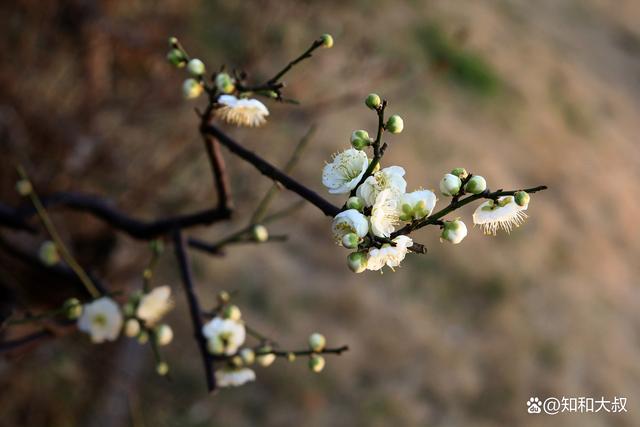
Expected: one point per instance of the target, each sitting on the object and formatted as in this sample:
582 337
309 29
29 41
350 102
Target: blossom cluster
379 206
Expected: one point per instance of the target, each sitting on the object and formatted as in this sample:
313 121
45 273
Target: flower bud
450 185
356 203
395 124
195 67
316 363
164 334
143 337
291 357
191 89
215 345
360 139
173 41
265 360
460 173
248 356
48 253
72 308
260 233
317 342
232 312
373 101
350 240
357 262
327 40
453 231
224 83
224 297
475 185
24 187
522 198
237 361
162 368
132 328
176 58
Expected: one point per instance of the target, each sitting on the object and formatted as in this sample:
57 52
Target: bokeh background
521 92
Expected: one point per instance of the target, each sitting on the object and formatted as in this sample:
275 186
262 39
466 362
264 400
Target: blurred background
523 93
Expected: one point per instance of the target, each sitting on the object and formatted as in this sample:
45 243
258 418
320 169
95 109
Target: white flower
154 305
101 319
241 112
345 171
387 178
225 336
385 214
505 214
417 204
388 255
234 377
349 221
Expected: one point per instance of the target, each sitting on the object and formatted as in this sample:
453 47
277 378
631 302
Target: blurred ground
520 92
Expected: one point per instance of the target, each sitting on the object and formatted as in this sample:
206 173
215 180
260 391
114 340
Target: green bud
248 356
224 83
265 360
357 262
522 198
162 368
395 124
460 173
450 185
327 40
195 67
232 312
316 363
356 203
176 58
24 187
163 334
260 233
453 231
360 139
475 185
359 144
350 240
373 101
132 328
48 253
173 41
359 134
191 89
72 308
317 342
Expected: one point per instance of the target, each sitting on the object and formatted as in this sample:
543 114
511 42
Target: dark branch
194 306
9 217
274 173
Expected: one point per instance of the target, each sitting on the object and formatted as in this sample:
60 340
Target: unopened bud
143 337
356 203
237 361
316 363
317 342
475 185
350 240
395 124
72 308
460 173
291 357
215 345
164 334
24 187
48 253
195 67
232 312
260 233
450 185
224 83
265 360
132 328
357 262
176 58
162 368
327 40
224 297
191 88
373 101
522 198
248 356
454 231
